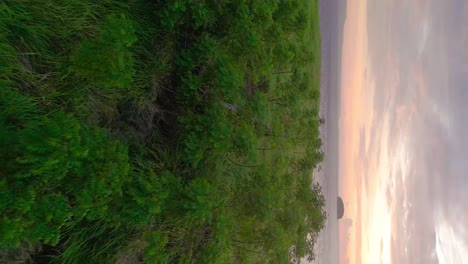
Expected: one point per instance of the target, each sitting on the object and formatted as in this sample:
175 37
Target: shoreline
332 16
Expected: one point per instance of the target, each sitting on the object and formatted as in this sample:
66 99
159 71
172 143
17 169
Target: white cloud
425 30
450 245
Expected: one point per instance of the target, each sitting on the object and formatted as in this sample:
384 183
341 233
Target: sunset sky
404 132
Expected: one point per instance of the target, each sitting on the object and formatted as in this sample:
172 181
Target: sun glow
365 167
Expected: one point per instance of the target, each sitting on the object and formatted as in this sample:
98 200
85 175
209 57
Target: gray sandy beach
332 17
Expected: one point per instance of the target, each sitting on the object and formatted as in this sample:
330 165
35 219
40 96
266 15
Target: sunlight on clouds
400 136
389 178
450 246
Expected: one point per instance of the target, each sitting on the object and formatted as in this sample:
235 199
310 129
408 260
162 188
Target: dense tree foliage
168 131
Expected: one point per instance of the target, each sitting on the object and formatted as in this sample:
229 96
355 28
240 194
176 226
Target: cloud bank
410 159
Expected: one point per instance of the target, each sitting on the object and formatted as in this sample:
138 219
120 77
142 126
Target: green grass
160 131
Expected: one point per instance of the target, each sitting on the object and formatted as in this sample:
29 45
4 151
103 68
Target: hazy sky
404 132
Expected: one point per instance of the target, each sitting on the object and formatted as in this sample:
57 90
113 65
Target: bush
56 171
155 251
107 60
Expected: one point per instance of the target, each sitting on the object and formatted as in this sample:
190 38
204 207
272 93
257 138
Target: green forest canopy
170 131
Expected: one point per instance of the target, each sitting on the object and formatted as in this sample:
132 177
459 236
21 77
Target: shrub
56 171
208 135
107 60
155 251
201 201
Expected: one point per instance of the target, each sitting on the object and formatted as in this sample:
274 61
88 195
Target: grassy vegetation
166 131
